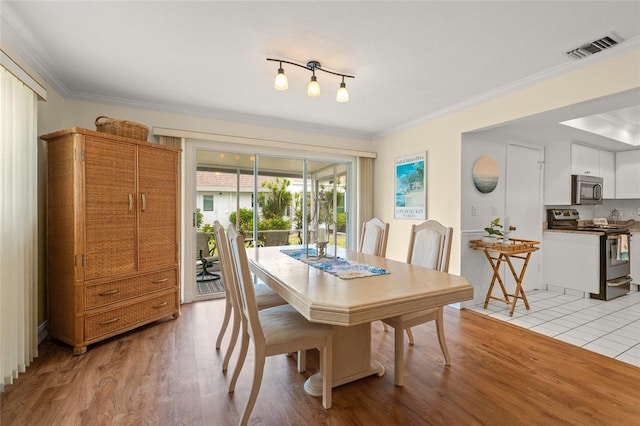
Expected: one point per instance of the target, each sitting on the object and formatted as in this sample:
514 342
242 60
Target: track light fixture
343 94
281 79
313 89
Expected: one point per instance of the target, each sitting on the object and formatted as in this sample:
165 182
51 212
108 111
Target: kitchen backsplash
616 209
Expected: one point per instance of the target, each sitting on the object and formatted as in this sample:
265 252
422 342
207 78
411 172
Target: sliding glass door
270 198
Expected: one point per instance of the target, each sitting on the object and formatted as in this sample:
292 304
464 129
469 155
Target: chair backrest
373 239
202 244
226 265
430 245
247 292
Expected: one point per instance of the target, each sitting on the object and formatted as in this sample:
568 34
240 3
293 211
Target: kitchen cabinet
564 159
634 247
571 260
585 160
628 174
608 174
557 174
112 235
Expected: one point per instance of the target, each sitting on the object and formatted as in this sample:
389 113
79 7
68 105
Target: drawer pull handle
107 293
163 280
160 305
130 203
109 321
144 201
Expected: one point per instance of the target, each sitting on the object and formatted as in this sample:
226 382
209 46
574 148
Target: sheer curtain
171 141
365 191
18 227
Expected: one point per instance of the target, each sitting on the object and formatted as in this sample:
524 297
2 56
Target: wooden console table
517 248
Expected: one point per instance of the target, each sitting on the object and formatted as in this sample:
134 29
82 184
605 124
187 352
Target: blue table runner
342 268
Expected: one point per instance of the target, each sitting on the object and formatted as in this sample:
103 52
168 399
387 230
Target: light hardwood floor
169 373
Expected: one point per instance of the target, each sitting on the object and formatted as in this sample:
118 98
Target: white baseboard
567 291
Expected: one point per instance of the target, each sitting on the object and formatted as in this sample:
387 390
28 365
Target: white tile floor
610 328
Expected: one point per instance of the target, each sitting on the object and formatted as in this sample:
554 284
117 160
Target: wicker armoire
112 235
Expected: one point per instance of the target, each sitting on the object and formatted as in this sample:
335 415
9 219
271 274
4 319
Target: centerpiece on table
322 226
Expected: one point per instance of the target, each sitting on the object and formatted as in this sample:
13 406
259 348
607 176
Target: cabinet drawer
127 317
102 294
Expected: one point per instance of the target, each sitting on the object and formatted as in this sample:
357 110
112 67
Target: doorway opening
268 198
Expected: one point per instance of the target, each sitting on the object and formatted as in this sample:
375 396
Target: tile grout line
595 316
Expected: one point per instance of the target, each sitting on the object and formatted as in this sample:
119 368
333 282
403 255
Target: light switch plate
600 221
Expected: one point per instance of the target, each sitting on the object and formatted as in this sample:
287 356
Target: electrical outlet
474 211
494 211
638 211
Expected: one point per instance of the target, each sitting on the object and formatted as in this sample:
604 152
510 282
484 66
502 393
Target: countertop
573 231
632 225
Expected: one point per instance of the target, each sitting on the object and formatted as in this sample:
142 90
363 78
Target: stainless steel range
614 250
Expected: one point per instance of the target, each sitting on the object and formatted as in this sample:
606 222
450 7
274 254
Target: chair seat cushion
266 298
417 317
283 324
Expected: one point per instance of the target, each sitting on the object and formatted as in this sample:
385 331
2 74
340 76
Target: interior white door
524 174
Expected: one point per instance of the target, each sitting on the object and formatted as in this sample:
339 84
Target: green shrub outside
341 222
246 222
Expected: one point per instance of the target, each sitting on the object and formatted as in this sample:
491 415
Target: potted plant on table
493 231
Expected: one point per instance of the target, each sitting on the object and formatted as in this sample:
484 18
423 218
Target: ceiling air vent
591 48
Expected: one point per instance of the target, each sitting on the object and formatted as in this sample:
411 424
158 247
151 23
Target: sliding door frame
189 162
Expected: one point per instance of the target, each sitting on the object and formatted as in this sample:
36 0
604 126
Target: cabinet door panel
110 214
608 173
628 174
157 212
584 160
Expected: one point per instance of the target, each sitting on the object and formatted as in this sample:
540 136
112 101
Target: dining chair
265 298
273 331
430 247
373 238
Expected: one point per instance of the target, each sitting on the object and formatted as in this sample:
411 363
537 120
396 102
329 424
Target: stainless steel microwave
586 189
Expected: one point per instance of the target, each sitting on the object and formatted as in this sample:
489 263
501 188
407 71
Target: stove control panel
562 217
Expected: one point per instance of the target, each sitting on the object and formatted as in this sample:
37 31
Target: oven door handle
613 237
619 282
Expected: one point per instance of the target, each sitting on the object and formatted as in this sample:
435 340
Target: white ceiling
412 60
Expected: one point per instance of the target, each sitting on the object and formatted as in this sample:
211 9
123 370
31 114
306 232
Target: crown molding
557 71
13 38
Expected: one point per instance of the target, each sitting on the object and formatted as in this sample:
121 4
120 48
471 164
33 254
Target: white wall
223 204
442 138
83 114
474 265
487 206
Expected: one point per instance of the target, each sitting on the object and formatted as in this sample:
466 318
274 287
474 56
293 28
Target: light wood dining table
352 304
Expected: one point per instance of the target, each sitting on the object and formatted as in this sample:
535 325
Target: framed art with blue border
411 186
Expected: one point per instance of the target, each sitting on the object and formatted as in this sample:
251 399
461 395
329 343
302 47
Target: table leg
496 276
518 278
351 358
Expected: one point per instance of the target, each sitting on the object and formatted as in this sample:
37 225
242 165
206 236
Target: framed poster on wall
411 186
